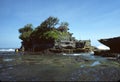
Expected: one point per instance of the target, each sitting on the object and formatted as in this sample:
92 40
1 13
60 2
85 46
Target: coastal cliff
112 43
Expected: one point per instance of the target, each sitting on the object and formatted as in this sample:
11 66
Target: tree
64 24
26 28
45 34
25 33
49 23
63 27
45 28
25 36
53 34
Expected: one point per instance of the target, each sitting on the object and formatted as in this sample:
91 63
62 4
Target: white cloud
103 47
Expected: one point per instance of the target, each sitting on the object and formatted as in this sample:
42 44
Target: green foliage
25 32
42 31
26 28
64 35
63 27
45 33
25 36
49 23
53 34
64 24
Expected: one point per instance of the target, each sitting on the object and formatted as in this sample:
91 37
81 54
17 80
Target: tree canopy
46 32
26 28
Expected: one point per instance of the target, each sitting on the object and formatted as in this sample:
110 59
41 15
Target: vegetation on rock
45 33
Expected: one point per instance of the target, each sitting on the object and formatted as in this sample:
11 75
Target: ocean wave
7 50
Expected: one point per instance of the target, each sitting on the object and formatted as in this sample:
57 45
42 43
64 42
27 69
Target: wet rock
96 74
78 60
1 66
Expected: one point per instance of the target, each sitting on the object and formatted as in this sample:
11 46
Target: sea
56 67
7 49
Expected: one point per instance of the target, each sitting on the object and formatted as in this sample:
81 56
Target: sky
88 19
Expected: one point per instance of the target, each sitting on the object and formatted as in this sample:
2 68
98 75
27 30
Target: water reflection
95 63
7 60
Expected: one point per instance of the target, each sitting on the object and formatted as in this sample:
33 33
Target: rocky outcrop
112 43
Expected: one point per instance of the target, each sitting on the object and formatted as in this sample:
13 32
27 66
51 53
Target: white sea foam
78 54
7 50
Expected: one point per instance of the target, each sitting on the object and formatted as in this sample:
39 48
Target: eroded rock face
112 43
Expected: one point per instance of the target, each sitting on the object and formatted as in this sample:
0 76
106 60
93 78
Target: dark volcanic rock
112 43
96 74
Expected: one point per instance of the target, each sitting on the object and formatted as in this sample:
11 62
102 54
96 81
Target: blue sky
88 19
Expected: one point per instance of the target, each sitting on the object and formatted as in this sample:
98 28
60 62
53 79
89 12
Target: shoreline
103 53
